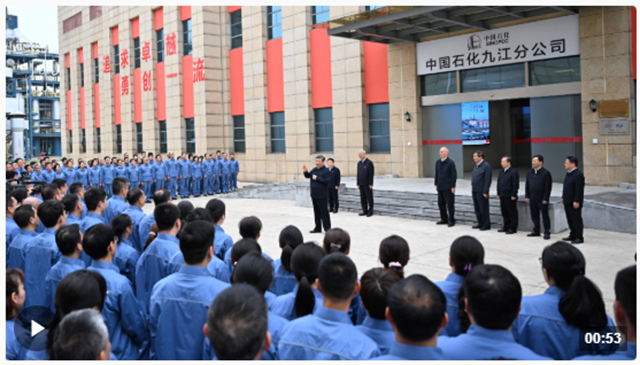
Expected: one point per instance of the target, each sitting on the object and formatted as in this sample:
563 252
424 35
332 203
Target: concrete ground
605 252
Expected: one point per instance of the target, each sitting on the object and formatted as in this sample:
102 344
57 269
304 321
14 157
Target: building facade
280 85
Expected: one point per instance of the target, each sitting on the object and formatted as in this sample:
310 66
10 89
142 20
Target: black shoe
336 211
369 214
485 228
568 238
361 214
578 241
314 231
502 230
476 226
451 224
510 232
534 234
547 236
442 222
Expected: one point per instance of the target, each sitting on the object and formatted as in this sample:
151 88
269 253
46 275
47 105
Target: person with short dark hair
82 174
223 242
170 167
234 169
480 184
242 305
179 302
153 262
69 172
507 194
15 297
250 227
27 220
123 313
82 335
62 186
74 208
284 281
133 174
338 282
146 177
107 174
69 242
333 186
51 192
94 175
416 311
120 188
12 229
20 194
573 199
160 196
137 200
374 290
48 174
78 189
96 201
158 174
184 176
493 296
319 176
537 190
126 257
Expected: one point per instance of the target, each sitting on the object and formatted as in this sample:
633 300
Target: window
83 142
379 128
439 84
491 78
186 37
70 145
324 129
116 59
45 109
319 14
236 29
160 43
277 133
274 22
82 75
191 136
136 52
98 144
138 137
372 7
556 71
119 138
68 78
238 134
96 71
163 136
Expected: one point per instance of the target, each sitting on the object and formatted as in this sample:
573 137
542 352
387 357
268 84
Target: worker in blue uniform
126 257
15 301
82 175
196 176
234 169
283 279
47 174
207 175
492 301
226 172
96 201
217 175
223 242
137 201
416 312
375 285
146 177
179 302
94 175
69 243
12 229
133 175
69 173
170 167
120 187
158 175
107 175
184 176
27 220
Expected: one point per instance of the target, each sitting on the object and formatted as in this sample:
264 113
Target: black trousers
333 199
536 208
509 210
320 213
445 202
574 218
481 207
366 199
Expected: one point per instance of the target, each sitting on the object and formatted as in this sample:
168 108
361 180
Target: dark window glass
68 78
119 139
160 43
138 137
236 29
96 70
319 14
83 142
277 133
163 136
439 84
556 71
379 128
372 7
82 75
191 136
136 52
70 145
186 37
116 59
274 22
324 129
45 109
239 144
98 142
491 78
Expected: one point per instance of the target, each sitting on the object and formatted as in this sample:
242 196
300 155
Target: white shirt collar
444 159
570 171
505 170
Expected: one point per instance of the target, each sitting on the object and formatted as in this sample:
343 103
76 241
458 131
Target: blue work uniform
133 175
450 287
153 265
401 351
225 171
380 331
207 177
179 305
629 354
12 232
217 171
121 171
158 176
15 351
137 215
356 311
17 249
38 176
41 254
90 220
216 267
234 168
109 214
197 178
541 328
222 242
59 175
170 167
183 172
62 268
283 281
144 227
47 176
122 313
82 176
146 177
481 343
108 173
284 305
73 219
126 259
327 334
117 203
94 177
69 175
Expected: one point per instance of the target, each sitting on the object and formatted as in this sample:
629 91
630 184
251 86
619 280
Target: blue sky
38 24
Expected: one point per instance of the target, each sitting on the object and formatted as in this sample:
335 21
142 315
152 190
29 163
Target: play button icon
35 328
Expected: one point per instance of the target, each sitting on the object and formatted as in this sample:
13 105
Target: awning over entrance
394 24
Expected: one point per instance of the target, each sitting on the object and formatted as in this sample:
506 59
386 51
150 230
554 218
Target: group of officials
537 192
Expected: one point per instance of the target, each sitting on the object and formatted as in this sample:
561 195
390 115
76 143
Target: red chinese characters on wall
146 53
106 64
147 82
198 70
125 85
171 44
124 58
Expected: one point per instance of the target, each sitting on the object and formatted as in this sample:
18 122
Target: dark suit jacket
365 173
446 174
481 178
538 185
319 188
508 183
334 177
573 189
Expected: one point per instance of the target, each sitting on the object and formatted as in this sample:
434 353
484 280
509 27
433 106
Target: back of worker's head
120 223
161 196
97 240
254 269
50 212
243 247
81 335
217 209
200 214
93 197
166 215
118 184
70 202
375 285
466 252
493 294
196 240
304 266
68 238
50 191
338 276
134 195
24 215
417 308
336 240
185 207
250 227
626 289
290 238
237 323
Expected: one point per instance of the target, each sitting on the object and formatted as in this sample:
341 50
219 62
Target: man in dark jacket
445 182
365 183
334 185
319 192
572 199
480 184
507 191
537 191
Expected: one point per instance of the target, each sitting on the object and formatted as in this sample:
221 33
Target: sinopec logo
474 42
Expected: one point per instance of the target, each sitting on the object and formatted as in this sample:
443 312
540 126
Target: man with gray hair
319 176
364 182
81 335
445 182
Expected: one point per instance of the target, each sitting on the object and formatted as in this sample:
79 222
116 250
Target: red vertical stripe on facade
96 103
158 19
236 75
69 124
80 55
135 28
82 120
67 60
234 8
187 86
275 76
185 13
137 96
116 98
162 95
114 36
94 50
321 93
376 73
634 31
